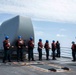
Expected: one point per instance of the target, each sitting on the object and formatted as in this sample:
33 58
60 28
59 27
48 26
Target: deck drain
65 68
52 69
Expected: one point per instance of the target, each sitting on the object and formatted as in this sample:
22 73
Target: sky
51 19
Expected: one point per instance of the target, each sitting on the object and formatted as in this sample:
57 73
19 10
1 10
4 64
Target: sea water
65 52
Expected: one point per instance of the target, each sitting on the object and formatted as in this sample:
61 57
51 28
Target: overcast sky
52 19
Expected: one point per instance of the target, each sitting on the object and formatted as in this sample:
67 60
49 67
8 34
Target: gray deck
38 67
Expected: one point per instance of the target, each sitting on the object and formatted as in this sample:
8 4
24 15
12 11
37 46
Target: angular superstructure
14 27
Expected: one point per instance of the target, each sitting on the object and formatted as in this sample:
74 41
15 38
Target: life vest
20 42
73 47
58 45
53 46
46 46
31 44
40 45
6 43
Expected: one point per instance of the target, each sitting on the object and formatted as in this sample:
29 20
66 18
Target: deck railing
65 51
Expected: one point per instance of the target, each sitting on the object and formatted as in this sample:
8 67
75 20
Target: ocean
65 51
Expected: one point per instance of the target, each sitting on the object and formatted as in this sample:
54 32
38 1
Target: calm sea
65 52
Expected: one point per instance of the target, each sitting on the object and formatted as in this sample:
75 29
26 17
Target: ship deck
61 66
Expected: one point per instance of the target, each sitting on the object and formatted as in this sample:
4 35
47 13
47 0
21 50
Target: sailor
19 45
47 47
58 48
73 51
7 51
30 49
40 46
53 45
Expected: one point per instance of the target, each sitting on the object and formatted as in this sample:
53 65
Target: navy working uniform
19 45
46 46
40 46
58 48
7 52
53 45
73 51
30 49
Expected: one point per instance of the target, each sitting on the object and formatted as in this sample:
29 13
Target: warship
23 26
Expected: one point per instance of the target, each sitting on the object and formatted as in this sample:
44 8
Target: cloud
62 29
39 33
60 35
50 10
